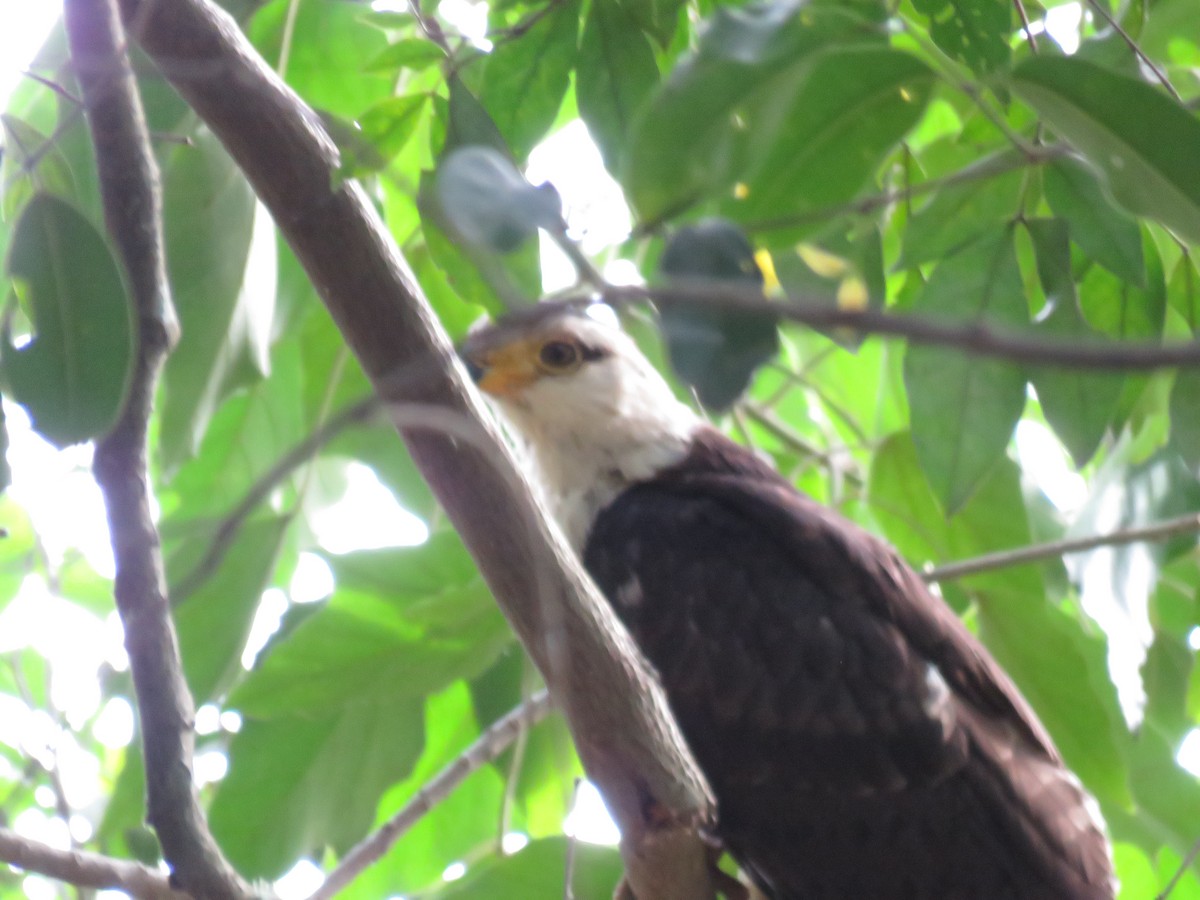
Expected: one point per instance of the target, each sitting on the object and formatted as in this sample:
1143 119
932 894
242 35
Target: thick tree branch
84 869
490 744
132 206
625 735
972 337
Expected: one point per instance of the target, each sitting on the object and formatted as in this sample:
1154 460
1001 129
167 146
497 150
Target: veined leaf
1145 143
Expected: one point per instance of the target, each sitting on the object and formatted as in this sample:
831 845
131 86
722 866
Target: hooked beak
501 372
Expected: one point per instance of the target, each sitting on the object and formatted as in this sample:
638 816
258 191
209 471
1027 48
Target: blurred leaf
468 123
214 622
1103 230
383 131
721 104
539 871
326 46
1145 143
658 18
410 53
401 623
1183 291
964 408
1185 415
299 783
615 75
223 292
523 80
960 213
490 203
1078 404
973 32
838 119
72 375
22 143
715 350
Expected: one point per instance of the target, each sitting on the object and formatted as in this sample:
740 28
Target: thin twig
129 188
1192 854
83 869
971 337
1137 51
489 745
768 420
1036 552
1033 48
53 85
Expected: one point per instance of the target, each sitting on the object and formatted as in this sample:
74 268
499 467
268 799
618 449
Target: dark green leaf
1103 230
1185 415
523 79
658 18
71 376
615 75
226 328
1183 292
963 408
468 123
490 203
976 32
1079 405
714 350
838 119
300 783
386 127
1145 143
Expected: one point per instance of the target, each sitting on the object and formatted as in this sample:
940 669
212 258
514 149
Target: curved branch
494 740
626 737
132 207
83 869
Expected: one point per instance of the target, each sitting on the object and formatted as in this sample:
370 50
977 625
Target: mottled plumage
860 742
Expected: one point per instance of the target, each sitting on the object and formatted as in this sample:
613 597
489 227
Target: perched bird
861 743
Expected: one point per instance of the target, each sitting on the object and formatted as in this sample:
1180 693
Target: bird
860 742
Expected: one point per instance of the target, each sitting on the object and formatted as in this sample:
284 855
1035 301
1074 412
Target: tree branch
132 208
84 869
489 745
626 737
969 336
1037 552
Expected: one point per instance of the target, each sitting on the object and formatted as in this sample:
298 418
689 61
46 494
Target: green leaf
976 32
303 782
468 123
699 130
523 80
1104 231
1145 143
960 213
658 18
838 119
385 128
223 292
539 871
614 77
22 143
963 408
214 622
411 53
1183 292
72 375
402 623
1079 405
714 350
326 46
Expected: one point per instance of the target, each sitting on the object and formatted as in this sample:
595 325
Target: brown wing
860 741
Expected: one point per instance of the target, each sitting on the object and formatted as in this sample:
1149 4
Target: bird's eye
559 355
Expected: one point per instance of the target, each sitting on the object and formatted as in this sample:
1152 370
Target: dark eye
559 355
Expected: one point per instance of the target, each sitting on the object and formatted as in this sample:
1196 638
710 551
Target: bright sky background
59 493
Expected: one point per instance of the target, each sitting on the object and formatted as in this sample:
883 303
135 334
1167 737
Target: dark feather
861 743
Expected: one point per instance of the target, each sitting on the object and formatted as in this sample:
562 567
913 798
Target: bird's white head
596 415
